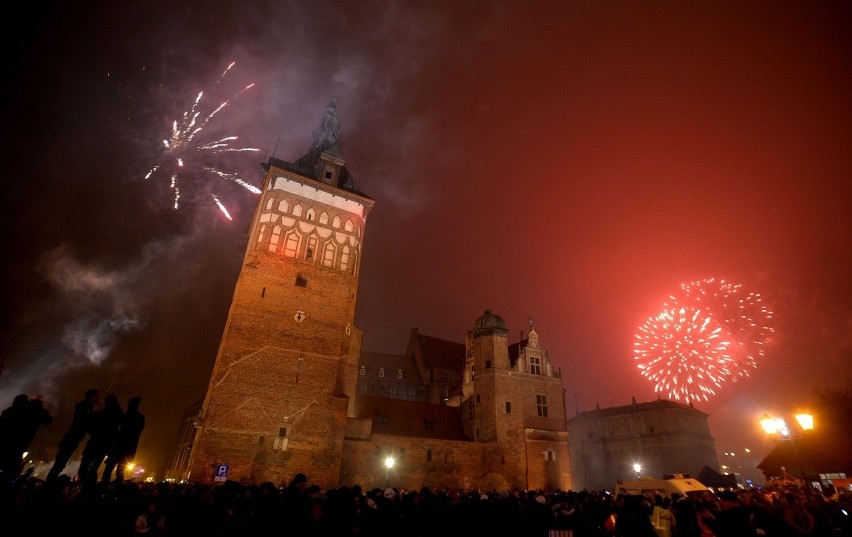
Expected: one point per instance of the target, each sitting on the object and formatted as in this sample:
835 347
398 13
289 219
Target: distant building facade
428 372
663 436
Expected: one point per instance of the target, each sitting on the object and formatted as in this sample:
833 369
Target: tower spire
329 128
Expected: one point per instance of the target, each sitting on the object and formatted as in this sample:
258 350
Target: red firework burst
711 332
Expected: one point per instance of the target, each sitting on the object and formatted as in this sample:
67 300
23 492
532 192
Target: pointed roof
325 144
409 418
800 456
440 353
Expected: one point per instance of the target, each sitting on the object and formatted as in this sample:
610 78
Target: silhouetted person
296 505
634 518
37 415
76 432
13 434
126 442
102 432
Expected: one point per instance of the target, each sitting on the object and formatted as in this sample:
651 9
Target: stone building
291 390
662 436
426 373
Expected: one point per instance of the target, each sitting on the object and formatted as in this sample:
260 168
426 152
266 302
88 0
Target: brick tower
284 378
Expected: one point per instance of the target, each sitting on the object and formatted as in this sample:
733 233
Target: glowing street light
389 465
637 468
779 431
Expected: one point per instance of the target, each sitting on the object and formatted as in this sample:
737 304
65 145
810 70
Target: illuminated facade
284 376
290 391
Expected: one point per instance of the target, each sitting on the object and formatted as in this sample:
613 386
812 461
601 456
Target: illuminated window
399 374
335 222
312 246
310 215
348 226
273 240
344 257
297 210
328 255
541 405
269 203
261 233
291 244
283 206
363 370
323 219
381 372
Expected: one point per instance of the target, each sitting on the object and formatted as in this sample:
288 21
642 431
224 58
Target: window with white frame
541 405
535 365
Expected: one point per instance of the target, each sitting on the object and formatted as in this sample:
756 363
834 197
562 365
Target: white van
682 485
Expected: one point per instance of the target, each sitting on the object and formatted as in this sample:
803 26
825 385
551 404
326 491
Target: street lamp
389 464
779 431
637 468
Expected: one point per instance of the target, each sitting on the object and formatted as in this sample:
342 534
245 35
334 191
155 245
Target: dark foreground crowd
98 502
33 507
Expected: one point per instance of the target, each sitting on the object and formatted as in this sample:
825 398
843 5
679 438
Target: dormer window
381 372
399 374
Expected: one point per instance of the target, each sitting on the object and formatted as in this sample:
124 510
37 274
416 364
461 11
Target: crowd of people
103 506
31 506
113 438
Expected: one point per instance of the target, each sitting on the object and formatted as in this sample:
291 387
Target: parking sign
222 472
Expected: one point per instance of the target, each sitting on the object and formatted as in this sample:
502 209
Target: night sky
568 162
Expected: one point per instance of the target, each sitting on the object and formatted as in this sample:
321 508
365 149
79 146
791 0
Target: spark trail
188 152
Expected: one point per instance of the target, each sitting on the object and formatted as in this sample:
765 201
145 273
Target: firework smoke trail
711 332
181 147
